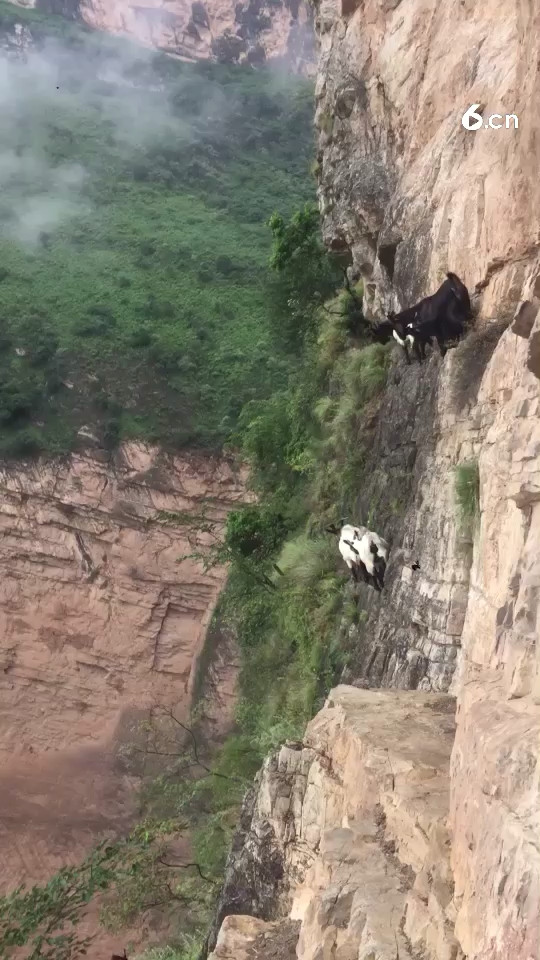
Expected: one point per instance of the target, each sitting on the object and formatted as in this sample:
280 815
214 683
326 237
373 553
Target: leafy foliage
44 919
284 600
305 561
306 449
254 532
355 382
190 951
308 276
155 313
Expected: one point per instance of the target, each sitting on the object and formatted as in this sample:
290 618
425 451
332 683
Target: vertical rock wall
411 194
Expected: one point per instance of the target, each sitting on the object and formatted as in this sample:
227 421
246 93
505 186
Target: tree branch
213 773
331 313
186 866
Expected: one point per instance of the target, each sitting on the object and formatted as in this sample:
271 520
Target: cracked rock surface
99 622
358 818
248 31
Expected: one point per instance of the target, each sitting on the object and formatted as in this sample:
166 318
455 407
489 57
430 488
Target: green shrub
307 275
325 122
265 431
363 372
254 531
333 336
324 410
356 379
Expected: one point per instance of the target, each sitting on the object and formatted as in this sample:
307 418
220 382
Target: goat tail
459 290
455 282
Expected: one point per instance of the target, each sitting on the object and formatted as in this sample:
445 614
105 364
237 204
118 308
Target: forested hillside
135 296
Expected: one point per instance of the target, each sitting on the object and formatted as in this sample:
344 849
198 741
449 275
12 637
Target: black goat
380 332
441 317
393 327
400 323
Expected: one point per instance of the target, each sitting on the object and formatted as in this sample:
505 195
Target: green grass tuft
190 951
467 493
305 561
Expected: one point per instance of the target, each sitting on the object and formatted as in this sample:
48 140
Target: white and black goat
401 325
364 552
350 538
374 555
394 326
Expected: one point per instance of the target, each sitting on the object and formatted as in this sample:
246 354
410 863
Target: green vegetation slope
134 291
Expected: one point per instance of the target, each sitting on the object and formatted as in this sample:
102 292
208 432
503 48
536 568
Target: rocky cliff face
356 817
409 193
250 31
99 623
352 838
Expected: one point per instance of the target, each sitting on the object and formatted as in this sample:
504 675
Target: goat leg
442 346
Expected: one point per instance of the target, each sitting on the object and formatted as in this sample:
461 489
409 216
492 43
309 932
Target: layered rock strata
251 31
101 620
356 818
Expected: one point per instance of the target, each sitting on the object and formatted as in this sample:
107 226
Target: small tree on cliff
306 274
143 871
252 534
45 918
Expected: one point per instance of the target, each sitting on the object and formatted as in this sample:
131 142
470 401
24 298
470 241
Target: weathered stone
414 195
246 938
524 319
237 32
533 355
99 623
373 805
410 194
